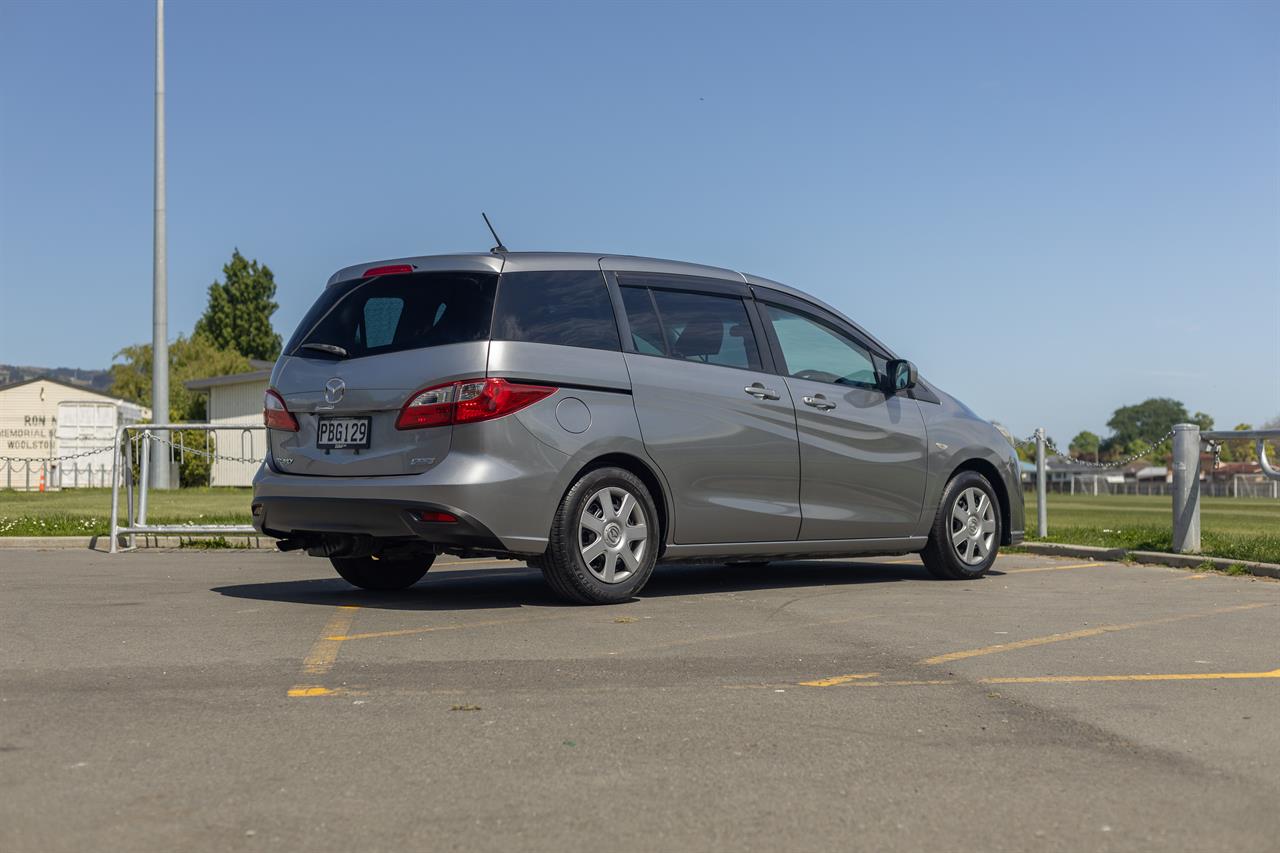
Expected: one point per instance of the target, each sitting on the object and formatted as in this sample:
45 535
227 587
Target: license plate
337 433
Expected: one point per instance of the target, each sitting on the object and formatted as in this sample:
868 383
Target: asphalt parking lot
251 700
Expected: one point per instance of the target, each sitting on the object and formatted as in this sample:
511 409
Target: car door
719 424
863 460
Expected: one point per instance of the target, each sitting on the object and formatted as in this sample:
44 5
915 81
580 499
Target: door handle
820 403
761 393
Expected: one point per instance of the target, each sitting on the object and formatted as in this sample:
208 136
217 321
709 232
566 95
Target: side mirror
900 375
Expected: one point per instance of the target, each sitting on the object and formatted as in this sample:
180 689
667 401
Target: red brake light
275 414
393 269
468 401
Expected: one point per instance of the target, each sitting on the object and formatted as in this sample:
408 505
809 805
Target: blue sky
1053 209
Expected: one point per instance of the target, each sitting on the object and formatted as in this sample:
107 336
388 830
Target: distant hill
93 380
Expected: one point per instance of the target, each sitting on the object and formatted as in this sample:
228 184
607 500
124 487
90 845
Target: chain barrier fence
132 457
50 472
92 467
135 441
1184 487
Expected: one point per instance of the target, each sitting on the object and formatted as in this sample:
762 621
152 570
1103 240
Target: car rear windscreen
396 312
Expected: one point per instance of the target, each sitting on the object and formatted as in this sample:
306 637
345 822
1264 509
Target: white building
41 419
235 399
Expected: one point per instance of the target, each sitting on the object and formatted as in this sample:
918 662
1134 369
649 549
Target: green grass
87 512
1233 528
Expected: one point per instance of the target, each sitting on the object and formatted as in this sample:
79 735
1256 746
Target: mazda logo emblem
334 389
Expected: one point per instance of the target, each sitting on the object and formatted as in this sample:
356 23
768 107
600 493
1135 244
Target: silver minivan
594 414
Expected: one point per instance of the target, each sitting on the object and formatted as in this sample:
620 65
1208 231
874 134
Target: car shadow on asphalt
519 586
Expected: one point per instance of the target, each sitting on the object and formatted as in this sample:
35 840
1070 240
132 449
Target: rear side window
569 309
708 329
397 312
646 332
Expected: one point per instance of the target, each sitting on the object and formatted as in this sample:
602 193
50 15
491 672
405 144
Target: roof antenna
498 249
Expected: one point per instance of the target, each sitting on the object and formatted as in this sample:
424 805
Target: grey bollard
1186 488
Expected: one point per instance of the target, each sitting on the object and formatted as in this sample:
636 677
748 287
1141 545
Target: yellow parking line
838 679
1054 679
1179 676
324 652
1076 635
1053 568
310 690
337 638
922 682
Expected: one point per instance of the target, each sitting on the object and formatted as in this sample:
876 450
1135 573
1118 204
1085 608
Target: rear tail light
467 402
275 414
493 398
429 407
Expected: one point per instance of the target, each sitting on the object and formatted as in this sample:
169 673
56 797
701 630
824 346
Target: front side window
396 312
570 309
812 350
709 329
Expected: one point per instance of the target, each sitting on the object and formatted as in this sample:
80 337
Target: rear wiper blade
332 349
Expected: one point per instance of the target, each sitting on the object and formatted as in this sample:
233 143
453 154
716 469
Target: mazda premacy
592 415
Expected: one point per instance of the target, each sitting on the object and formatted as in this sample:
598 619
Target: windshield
396 312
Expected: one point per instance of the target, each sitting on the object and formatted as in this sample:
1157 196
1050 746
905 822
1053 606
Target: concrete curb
47 543
1155 558
101 543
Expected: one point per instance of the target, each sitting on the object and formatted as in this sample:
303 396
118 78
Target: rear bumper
501 483
286 517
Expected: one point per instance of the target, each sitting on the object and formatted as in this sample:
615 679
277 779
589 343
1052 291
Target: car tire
604 539
381 575
965 537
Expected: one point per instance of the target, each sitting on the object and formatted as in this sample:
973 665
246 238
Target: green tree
1085 445
239 313
1147 421
189 358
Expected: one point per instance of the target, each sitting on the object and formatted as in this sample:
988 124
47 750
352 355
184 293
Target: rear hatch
361 353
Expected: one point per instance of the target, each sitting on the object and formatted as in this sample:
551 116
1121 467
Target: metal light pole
159 277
